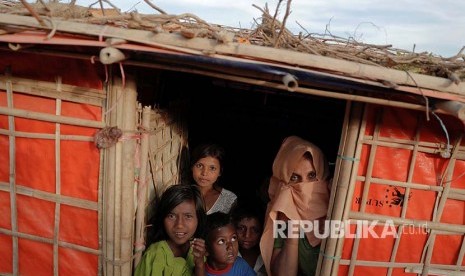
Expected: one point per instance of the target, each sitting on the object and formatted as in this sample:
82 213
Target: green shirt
308 256
158 260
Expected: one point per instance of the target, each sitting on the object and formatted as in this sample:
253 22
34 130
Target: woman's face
304 172
181 223
206 171
249 232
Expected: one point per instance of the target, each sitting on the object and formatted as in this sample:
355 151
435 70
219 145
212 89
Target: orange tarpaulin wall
389 143
49 181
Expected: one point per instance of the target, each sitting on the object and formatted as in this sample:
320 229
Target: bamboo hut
98 109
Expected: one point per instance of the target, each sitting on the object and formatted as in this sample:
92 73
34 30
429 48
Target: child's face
181 223
222 247
206 171
249 232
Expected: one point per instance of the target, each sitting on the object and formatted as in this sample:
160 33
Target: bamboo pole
23 134
337 191
442 202
51 90
128 177
16 234
359 125
109 182
440 226
118 180
407 192
61 199
345 185
49 118
12 179
200 45
366 188
56 228
142 187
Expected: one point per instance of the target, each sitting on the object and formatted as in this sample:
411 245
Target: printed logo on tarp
393 197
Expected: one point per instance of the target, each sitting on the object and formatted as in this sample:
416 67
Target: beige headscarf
301 201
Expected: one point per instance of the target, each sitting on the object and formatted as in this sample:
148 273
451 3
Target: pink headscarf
301 201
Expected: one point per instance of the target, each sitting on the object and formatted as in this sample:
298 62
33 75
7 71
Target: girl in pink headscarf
299 191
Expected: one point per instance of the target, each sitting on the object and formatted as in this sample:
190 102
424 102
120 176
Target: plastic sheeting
393 164
42 176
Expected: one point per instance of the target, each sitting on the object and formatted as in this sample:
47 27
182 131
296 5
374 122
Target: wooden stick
56 228
49 241
12 179
23 134
142 187
366 187
61 199
359 124
128 176
407 192
66 92
50 118
454 228
347 186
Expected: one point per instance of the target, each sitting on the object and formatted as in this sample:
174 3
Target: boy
222 248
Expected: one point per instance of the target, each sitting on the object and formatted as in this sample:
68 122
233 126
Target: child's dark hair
214 221
172 197
247 210
208 150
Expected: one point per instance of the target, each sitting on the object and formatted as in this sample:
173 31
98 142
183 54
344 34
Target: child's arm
198 250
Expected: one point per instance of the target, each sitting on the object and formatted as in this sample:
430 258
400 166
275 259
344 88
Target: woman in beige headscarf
299 191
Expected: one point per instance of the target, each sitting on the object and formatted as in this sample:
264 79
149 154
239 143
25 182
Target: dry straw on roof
268 31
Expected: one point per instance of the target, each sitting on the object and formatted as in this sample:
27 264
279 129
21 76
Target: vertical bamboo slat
442 202
366 189
406 199
56 230
128 176
142 187
12 180
342 183
357 127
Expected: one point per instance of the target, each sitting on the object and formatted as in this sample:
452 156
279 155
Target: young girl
299 190
207 167
222 248
174 246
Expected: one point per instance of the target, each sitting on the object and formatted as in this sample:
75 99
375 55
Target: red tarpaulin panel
393 164
40 221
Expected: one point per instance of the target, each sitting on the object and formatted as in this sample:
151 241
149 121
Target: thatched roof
270 42
269 32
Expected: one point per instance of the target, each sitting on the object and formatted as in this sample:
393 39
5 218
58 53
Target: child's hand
198 250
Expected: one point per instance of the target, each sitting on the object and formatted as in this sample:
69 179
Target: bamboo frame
15 189
119 182
359 125
66 92
436 227
344 189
